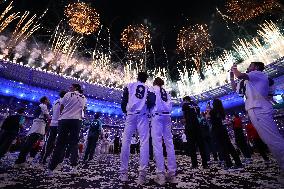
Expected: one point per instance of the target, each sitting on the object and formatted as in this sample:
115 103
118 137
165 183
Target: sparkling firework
82 18
24 29
193 41
243 10
5 22
216 74
64 46
136 38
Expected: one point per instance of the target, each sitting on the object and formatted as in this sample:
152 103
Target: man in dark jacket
10 130
191 111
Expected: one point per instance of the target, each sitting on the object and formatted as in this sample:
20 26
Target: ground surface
102 172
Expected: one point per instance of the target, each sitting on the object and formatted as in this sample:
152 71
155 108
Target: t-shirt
55 112
95 126
74 104
257 89
237 123
251 132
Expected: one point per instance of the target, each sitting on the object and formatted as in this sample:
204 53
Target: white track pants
262 119
141 123
161 128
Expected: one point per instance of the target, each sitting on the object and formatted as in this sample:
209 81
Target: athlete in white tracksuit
260 110
161 129
134 106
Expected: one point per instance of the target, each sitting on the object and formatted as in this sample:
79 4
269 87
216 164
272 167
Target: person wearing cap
73 106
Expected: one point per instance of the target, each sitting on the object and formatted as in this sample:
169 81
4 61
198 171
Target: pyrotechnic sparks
24 29
136 38
267 47
64 46
193 41
4 23
248 50
272 36
82 18
243 10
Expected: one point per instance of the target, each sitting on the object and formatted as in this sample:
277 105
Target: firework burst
193 41
82 18
243 10
136 38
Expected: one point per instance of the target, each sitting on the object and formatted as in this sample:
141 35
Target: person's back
137 97
216 119
12 124
74 104
134 106
95 127
237 123
191 111
163 103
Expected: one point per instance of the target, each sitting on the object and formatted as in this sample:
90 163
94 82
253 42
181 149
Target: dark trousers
6 139
50 143
27 147
132 148
241 142
116 145
68 134
194 138
91 146
226 147
261 147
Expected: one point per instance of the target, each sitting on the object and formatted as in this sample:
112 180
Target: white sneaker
21 165
160 179
123 177
248 161
74 171
141 179
172 179
49 173
30 160
59 167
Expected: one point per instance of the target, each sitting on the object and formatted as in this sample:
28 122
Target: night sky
164 18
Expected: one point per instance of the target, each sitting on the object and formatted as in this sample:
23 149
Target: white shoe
141 179
29 159
36 166
49 173
160 179
172 179
123 177
248 161
21 165
74 171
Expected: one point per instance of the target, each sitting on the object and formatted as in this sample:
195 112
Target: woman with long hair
220 132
